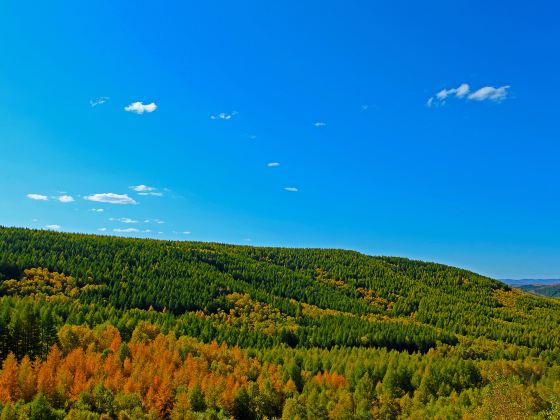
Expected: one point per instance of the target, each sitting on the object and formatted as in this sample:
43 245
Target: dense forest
98 327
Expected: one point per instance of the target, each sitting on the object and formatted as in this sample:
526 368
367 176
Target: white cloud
126 220
127 230
273 164
140 108
111 198
98 101
65 198
142 188
40 197
146 190
320 124
223 116
291 189
97 210
459 92
102 229
490 93
152 193
186 232
54 227
443 94
147 230
464 92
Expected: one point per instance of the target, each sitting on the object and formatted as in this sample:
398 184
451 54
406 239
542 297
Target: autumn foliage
160 370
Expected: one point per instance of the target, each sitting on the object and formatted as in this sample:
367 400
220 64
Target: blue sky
336 93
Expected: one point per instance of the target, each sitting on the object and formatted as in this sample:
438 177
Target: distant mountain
539 287
523 282
551 290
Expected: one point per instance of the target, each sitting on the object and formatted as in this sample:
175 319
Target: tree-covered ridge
358 336
182 277
551 290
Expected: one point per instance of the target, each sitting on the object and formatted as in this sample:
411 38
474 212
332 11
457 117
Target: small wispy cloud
157 221
320 124
39 197
464 91
459 92
140 108
146 190
291 189
490 93
186 232
364 107
141 188
102 229
126 220
152 193
97 210
65 198
53 227
126 230
111 198
273 164
223 116
98 101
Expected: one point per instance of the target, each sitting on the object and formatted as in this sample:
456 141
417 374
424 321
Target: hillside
314 332
550 290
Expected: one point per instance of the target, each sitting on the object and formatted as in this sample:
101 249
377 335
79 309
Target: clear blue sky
336 93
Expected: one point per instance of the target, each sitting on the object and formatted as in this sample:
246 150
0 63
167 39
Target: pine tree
196 399
9 384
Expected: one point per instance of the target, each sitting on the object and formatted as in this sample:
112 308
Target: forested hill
323 297
551 290
285 305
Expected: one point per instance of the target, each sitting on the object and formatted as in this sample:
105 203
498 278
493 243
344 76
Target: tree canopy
94 326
